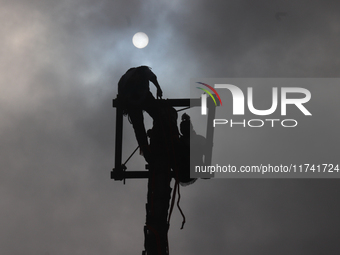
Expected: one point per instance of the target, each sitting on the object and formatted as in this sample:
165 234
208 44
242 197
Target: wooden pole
158 198
159 178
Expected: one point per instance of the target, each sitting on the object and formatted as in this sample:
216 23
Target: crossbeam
176 102
135 175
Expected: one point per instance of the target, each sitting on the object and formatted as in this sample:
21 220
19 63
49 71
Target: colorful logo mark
208 86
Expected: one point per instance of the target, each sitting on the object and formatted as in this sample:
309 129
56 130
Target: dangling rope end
183 222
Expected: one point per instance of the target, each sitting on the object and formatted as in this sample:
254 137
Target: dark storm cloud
60 63
263 216
244 39
57 130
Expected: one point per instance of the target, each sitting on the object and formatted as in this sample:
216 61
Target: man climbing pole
135 97
168 154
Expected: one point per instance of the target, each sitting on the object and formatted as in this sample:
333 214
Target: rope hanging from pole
176 172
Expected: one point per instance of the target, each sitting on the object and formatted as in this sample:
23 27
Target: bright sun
140 40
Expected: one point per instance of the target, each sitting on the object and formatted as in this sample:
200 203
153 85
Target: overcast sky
60 64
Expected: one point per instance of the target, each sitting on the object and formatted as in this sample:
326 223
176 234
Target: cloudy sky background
60 63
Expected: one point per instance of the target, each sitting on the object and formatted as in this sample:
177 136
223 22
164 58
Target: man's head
186 126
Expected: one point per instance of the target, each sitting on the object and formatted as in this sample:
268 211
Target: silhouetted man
193 150
135 96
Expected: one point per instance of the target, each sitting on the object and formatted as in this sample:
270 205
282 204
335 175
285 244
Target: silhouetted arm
153 79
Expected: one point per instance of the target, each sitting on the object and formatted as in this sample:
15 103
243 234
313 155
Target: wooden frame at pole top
119 172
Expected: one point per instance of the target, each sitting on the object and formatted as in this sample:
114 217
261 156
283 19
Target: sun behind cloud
140 40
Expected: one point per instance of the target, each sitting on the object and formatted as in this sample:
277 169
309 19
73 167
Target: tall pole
159 178
163 141
158 198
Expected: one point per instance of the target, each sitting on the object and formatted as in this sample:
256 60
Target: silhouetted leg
136 115
137 119
151 107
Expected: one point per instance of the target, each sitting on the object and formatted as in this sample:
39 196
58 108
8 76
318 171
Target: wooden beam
176 102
